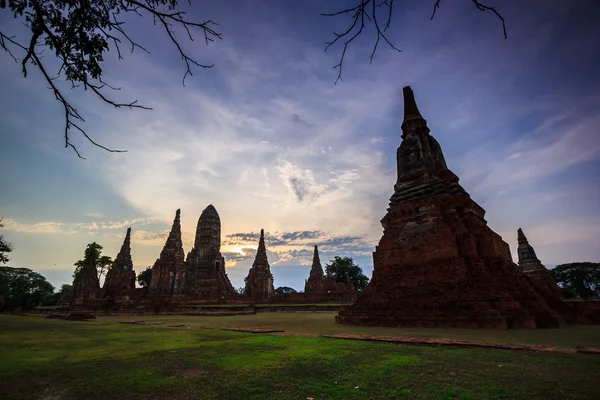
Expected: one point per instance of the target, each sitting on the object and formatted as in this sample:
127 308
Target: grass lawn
324 323
62 360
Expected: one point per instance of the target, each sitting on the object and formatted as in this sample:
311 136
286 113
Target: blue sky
271 142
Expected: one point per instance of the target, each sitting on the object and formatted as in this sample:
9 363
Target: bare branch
481 7
365 15
79 33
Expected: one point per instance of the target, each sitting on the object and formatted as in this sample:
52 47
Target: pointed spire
413 120
410 105
316 268
127 241
261 252
527 257
521 237
316 260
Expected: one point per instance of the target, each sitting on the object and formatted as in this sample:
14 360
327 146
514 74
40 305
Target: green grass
324 323
54 359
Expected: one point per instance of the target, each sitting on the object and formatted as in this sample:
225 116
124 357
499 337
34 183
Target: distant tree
578 279
285 291
79 34
66 288
343 269
145 277
24 287
5 247
93 263
239 290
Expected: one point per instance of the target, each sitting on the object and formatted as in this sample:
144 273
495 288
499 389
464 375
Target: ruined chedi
259 283
318 282
206 277
438 264
121 276
168 272
314 283
534 269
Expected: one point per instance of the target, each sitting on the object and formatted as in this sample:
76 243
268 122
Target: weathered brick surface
259 282
537 272
120 277
168 272
438 264
206 276
314 283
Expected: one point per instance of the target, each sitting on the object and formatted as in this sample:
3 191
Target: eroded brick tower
206 277
259 282
438 264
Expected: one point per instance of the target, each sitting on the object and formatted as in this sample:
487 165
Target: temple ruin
168 272
259 283
206 276
121 276
534 269
314 283
318 282
438 264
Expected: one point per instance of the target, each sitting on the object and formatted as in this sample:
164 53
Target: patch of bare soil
253 330
464 343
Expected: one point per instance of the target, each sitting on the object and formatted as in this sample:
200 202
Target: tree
285 291
145 277
5 247
79 33
343 269
22 287
93 263
239 290
578 280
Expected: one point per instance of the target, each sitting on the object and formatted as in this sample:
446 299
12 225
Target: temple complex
533 268
438 264
121 276
259 283
314 283
206 277
168 272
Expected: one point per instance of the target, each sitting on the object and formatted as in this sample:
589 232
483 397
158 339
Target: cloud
102 227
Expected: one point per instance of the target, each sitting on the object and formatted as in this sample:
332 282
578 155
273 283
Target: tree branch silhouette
78 33
365 13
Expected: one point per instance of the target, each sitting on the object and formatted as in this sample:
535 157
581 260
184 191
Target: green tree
285 291
343 269
239 290
5 247
578 280
24 287
93 263
145 277
79 33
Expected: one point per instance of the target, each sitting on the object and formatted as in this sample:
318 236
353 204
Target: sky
270 140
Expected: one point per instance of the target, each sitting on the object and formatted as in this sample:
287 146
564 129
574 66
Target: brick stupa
168 273
534 269
438 264
206 276
316 278
259 282
121 276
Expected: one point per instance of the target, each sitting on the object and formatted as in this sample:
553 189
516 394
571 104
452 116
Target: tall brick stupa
438 264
